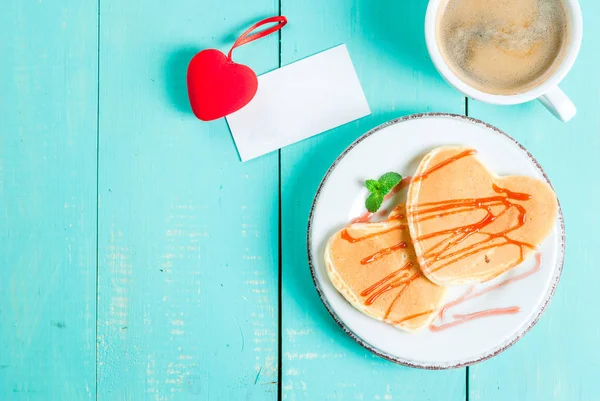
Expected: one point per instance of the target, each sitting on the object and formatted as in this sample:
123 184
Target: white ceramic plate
398 146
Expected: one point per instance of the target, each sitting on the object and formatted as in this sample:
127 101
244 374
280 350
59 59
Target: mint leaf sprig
378 189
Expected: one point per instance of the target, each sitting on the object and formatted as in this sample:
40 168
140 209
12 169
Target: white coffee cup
547 92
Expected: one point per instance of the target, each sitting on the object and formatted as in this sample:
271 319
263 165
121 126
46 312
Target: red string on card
216 85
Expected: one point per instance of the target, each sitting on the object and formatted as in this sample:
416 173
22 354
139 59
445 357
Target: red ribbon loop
246 37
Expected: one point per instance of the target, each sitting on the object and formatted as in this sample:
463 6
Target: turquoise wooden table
141 260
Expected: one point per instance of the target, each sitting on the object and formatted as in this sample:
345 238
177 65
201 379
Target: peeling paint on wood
48 82
187 233
319 361
185 302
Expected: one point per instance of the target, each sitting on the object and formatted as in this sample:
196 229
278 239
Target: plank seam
467 383
280 253
279 296
97 188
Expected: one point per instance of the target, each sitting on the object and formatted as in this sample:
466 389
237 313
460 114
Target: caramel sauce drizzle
438 166
460 318
406 283
393 280
470 294
397 217
445 251
416 315
363 218
442 251
380 254
366 216
346 235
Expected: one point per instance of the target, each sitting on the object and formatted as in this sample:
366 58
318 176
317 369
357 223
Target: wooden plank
48 99
559 359
187 233
386 43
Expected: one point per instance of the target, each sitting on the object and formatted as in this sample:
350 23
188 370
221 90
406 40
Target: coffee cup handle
558 104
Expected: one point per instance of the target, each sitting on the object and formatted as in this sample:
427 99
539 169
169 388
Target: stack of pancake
461 224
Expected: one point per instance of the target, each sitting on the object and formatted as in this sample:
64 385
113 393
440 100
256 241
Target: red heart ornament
216 85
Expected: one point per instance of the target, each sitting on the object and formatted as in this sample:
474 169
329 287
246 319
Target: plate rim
402 361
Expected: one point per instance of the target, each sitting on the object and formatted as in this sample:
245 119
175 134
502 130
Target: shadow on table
397 29
298 190
234 33
176 77
176 64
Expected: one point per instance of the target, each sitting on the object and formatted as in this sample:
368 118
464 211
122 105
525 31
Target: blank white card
298 101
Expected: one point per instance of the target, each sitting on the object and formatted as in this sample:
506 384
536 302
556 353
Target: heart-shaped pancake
373 265
469 225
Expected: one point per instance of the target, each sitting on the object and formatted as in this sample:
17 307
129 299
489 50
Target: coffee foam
502 46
